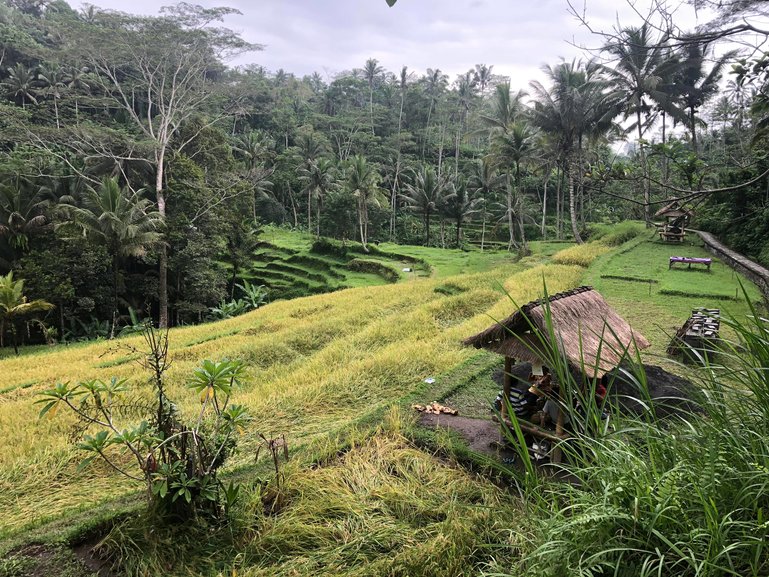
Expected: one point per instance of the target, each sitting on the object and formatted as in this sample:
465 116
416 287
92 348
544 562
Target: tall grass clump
683 495
617 234
581 254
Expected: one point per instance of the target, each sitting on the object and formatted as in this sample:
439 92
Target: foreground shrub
177 462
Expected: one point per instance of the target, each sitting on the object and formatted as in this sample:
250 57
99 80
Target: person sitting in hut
523 402
547 400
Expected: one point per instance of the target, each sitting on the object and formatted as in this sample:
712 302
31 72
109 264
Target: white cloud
516 36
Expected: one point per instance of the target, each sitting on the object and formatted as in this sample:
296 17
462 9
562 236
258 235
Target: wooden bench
690 261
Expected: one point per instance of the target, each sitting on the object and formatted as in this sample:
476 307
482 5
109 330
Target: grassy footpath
657 300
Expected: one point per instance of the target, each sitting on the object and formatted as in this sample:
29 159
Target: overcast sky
328 36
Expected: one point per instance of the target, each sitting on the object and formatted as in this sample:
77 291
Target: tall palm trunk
510 224
371 105
544 202
665 174
427 127
572 203
693 128
645 169
393 195
483 229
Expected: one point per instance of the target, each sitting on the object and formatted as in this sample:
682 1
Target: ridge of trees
135 164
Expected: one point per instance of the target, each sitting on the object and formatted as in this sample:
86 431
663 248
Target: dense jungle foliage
137 167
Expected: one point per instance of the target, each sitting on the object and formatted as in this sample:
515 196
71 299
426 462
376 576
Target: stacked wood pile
699 332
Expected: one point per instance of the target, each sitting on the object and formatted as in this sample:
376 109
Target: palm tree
122 220
639 72
318 179
510 150
20 84
252 147
577 107
465 89
484 182
55 81
424 195
370 72
459 206
77 81
310 149
22 212
13 305
696 85
436 82
362 183
506 108
403 83
511 143
483 77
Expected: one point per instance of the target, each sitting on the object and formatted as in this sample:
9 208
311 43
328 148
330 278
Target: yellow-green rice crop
316 364
581 254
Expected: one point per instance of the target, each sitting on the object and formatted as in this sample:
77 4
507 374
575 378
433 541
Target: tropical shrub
329 247
617 234
14 306
177 461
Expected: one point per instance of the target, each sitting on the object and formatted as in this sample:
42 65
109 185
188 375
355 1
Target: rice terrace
259 320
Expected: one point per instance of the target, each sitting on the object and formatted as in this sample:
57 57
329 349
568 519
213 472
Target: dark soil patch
41 560
86 555
482 435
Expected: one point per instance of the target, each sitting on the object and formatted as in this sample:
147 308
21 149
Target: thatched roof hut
673 210
583 323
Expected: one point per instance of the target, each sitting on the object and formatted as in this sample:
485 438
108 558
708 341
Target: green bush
372 266
329 247
617 234
178 462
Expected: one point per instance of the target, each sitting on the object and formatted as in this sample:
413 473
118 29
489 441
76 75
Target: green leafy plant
681 495
228 309
253 295
135 324
176 461
14 305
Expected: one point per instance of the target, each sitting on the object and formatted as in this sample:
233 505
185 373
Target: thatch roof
581 319
673 210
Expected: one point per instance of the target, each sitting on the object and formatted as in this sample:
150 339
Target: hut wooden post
507 384
556 458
